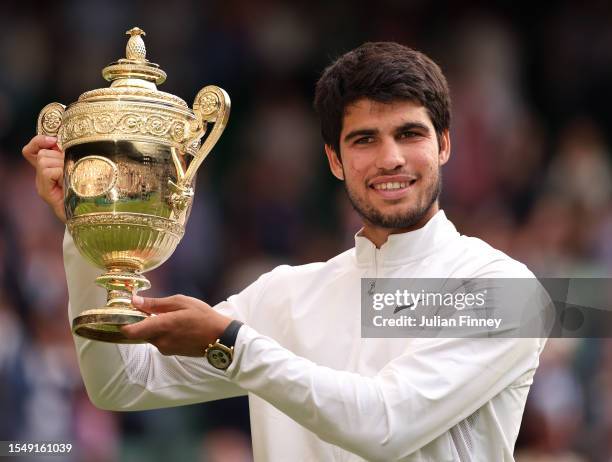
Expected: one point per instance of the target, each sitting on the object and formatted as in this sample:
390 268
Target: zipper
376 263
372 287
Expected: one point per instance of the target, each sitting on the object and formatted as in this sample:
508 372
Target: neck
379 235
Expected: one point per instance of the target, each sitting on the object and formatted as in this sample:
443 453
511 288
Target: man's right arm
124 377
137 377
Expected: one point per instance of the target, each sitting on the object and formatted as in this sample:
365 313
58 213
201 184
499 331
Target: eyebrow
411 126
373 131
360 132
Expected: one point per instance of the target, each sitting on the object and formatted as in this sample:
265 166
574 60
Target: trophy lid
134 77
131 109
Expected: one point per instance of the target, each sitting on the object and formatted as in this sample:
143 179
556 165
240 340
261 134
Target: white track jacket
317 390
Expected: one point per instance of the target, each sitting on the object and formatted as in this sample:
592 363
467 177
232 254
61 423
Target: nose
390 156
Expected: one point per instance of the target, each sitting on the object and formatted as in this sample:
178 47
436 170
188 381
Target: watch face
218 358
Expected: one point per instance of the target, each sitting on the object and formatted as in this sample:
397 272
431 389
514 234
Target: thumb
158 305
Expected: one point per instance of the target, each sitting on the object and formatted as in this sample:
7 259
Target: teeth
391 185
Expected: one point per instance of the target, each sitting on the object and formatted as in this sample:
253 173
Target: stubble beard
405 219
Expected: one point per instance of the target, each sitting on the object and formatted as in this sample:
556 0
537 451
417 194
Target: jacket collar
404 247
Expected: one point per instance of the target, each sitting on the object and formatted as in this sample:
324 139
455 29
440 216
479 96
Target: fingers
49 158
50 178
150 332
47 164
146 329
160 305
49 173
182 325
30 151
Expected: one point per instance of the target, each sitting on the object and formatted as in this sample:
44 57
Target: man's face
390 162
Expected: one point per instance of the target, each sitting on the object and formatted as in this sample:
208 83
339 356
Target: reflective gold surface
131 156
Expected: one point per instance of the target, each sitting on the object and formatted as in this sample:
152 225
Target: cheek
360 163
424 161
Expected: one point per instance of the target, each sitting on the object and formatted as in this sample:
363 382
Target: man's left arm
410 402
414 398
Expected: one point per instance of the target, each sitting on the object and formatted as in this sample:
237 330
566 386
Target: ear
445 147
335 165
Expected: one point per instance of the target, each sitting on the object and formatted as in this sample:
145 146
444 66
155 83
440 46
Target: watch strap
228 338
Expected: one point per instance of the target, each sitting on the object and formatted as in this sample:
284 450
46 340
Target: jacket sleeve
137 377
431 387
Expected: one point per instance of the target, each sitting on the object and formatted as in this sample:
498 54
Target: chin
396 211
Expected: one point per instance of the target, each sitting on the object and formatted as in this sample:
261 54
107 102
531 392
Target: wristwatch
221 353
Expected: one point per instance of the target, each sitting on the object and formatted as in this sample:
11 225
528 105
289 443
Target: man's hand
183 326
43 154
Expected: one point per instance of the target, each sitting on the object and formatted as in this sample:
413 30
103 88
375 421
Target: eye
408 134
364 140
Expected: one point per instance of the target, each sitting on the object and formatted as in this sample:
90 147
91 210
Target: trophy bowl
131 153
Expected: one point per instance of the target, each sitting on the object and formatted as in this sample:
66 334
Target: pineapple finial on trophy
135 48
135 69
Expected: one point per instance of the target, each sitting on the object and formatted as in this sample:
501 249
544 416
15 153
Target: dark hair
384 72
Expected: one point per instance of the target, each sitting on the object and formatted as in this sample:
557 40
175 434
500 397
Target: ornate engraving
79 126
93 176
129 219
178 131
181 196
209 103
103 123
193 147
50 119
133 92
87 122
157 125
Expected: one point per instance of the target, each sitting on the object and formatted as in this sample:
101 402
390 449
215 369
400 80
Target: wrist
222 323
220 354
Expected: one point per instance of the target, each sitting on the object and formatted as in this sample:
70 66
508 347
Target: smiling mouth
392 185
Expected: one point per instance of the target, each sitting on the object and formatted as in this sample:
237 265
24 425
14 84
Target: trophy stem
103 324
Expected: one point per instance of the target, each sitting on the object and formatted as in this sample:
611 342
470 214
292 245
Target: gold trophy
131 156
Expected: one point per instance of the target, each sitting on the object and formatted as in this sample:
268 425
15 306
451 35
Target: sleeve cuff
245 335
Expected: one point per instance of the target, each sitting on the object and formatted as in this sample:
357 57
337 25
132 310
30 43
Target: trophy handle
50 121
211 104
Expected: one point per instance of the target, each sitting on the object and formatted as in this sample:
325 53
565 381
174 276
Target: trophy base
103 324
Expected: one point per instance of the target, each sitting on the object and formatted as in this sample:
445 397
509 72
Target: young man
317 389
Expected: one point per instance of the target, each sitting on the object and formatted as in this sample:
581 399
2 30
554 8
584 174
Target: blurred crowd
530 173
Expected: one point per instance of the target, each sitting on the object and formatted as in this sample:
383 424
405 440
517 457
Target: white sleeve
137 377
415 398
